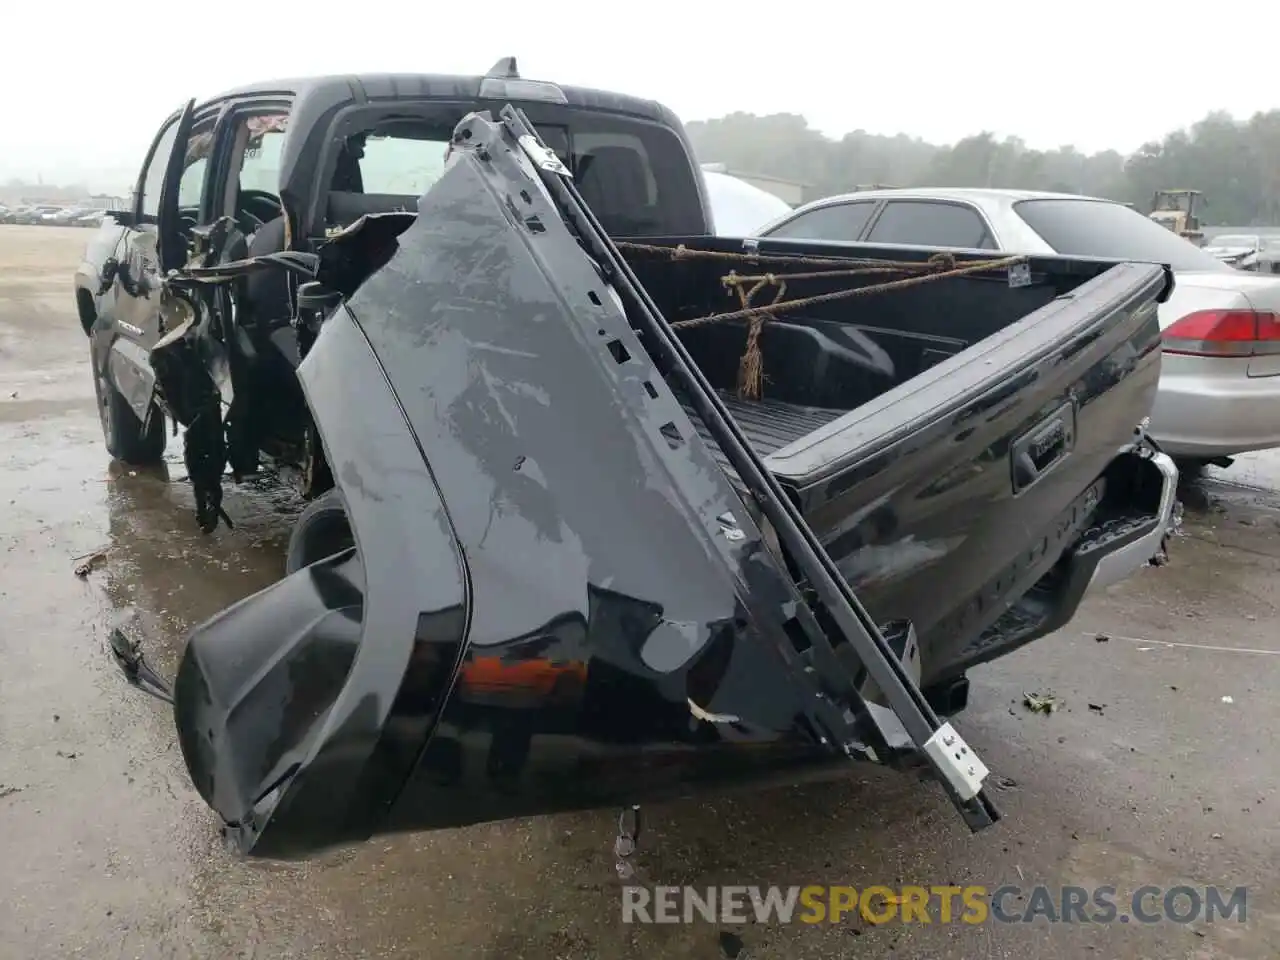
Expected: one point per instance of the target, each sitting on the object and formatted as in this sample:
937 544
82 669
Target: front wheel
322 529
126 438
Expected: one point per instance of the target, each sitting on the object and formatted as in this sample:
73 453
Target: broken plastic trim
958 769
129 658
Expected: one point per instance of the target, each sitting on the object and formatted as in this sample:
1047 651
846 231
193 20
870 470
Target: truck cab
287 165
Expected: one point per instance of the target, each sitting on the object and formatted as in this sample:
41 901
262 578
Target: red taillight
1224 333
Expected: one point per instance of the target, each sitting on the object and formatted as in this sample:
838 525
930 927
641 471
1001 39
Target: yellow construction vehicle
1176 210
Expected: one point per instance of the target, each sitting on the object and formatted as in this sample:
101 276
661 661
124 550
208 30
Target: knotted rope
941 266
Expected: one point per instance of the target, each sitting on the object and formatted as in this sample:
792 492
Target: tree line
16 190
1235 163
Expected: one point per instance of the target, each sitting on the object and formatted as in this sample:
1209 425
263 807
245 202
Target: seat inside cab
386 170
385 167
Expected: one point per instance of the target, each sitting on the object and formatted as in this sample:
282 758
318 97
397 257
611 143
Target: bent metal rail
955 765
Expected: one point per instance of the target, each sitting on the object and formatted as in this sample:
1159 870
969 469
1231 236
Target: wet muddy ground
1159 768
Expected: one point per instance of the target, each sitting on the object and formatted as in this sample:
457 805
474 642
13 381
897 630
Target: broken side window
402 165
261 139
196 165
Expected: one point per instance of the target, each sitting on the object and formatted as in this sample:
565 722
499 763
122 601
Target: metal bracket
901 635
958 764
1140 434
1020 275
628 839
543 157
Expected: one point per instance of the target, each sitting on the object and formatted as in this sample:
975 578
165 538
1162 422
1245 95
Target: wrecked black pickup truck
613 519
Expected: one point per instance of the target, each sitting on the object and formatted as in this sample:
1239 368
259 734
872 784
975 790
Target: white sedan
738 208
1219 391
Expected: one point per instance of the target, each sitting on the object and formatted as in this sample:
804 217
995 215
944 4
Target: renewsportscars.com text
935 904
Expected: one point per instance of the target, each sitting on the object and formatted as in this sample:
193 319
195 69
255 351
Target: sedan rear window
1098 228
928 223
836 221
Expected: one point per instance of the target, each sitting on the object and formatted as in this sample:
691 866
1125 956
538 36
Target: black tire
321 530
123 432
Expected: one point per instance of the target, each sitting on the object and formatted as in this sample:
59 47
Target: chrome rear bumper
1149 548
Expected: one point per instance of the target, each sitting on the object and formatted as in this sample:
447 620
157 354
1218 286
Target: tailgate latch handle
1044 445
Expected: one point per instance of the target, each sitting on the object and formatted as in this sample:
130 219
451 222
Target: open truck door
171 246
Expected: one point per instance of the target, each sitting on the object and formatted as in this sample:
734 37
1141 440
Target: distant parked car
61 217
1269 255
34 214
1220 382
1239 250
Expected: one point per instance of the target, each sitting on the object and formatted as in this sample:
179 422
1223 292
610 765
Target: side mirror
314 295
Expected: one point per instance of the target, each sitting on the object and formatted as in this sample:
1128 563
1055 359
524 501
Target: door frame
170 248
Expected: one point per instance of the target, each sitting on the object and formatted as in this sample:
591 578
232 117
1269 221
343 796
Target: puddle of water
1242 501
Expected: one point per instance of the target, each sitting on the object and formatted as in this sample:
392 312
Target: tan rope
939 261
751 366
940 266
681 252
774 309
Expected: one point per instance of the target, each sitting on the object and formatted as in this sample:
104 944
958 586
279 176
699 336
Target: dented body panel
489 521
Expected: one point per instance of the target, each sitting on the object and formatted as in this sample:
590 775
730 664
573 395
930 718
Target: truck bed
940 390
768 424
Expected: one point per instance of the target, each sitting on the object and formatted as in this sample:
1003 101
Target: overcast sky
1094 74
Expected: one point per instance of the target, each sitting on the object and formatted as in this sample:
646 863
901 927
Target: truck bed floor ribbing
769 425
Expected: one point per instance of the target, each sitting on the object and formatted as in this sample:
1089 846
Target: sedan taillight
1224 333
